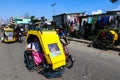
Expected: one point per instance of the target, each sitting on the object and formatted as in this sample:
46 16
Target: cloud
97 12
118 8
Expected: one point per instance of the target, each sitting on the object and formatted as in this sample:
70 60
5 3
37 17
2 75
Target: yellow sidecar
51 47
106 39
8 35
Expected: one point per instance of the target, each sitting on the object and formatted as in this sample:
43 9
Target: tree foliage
113 1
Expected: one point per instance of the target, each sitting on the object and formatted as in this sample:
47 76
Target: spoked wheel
28 62
70 61
69 58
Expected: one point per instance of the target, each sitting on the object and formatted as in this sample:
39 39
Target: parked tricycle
105 39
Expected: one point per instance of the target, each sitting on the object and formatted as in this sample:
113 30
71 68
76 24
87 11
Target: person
61 34
33 46
16 32
36 51
21 30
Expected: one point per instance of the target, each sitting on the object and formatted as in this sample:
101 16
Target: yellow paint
47 38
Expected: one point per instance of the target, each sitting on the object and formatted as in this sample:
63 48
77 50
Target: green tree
32 18
113 1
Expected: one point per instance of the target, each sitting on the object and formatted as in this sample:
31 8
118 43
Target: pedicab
54 61
106 39
8 35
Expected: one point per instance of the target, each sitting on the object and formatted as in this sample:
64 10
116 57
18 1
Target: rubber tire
27 62
69 61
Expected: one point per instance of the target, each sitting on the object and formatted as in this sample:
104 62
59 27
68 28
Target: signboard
55 51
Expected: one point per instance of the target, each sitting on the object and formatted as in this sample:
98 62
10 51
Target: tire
28 62
2 39
62 69
95 45
70 62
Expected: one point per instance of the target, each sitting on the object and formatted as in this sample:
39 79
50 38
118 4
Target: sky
41 8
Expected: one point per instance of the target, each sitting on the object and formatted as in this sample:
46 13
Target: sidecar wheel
28 62
2 39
